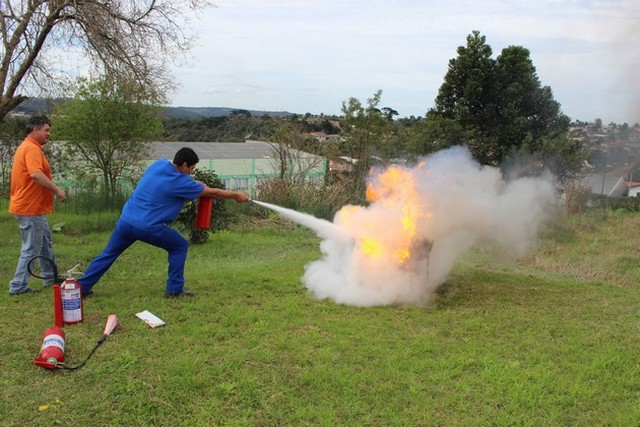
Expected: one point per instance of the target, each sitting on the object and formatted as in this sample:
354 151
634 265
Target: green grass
547 340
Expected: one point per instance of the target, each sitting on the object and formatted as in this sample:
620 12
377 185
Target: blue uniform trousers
123 236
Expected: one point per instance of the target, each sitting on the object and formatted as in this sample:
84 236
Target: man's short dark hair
185 154
36 122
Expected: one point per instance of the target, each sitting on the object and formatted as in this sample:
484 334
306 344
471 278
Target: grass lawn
548 340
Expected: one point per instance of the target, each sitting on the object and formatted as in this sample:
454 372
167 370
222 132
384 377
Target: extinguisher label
71 305
53 341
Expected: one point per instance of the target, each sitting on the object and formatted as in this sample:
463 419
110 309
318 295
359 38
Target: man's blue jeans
36 240
123 236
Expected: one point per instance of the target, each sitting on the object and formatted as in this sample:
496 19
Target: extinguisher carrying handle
73 272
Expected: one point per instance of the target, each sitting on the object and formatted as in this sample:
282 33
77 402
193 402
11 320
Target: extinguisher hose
73 368
32 271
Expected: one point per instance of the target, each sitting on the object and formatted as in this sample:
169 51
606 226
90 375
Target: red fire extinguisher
67 297
52 350
71 301
205 206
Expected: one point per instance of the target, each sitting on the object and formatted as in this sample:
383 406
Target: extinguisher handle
73 272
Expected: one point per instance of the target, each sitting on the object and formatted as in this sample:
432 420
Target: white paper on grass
150 319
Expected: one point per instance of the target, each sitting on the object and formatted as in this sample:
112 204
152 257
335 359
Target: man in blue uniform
155 203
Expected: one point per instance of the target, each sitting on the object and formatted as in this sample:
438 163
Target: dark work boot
182 293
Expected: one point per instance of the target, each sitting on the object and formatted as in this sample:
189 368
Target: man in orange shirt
31 199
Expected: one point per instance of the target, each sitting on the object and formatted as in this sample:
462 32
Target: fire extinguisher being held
205 206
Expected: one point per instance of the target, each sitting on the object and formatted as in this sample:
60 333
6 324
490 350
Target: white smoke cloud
460 203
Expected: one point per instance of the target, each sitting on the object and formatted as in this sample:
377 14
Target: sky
310 56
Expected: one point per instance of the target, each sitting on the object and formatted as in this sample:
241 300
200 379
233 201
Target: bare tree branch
125 40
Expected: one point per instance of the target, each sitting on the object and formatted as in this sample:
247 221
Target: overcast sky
311 55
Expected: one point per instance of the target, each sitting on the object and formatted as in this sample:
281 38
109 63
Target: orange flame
394 188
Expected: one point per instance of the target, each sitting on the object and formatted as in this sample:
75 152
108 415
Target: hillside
206 112
45 106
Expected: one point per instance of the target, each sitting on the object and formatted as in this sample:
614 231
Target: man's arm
218 193
42 180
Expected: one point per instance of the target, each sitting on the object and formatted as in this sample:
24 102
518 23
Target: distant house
341 165
633 189
324 137
612 185
241 165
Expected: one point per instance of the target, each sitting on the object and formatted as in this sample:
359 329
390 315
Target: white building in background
634 189
241 165
612 185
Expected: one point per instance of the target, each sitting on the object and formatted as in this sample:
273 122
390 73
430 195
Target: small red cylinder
52 350
57 306
205 206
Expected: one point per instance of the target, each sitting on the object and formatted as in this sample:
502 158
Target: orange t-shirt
28 197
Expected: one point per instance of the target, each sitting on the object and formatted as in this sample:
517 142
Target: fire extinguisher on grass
67 297
52 350
71 301
67 310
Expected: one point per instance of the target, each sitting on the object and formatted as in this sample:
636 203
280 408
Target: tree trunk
8 104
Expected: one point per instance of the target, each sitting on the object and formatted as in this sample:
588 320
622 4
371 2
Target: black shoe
182 293
26 291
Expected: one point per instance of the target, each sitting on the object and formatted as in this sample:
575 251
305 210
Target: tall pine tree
497 108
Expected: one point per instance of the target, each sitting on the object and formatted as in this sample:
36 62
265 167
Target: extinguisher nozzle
112 322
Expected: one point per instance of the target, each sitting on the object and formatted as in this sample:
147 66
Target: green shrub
186 221
631 204
320 200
